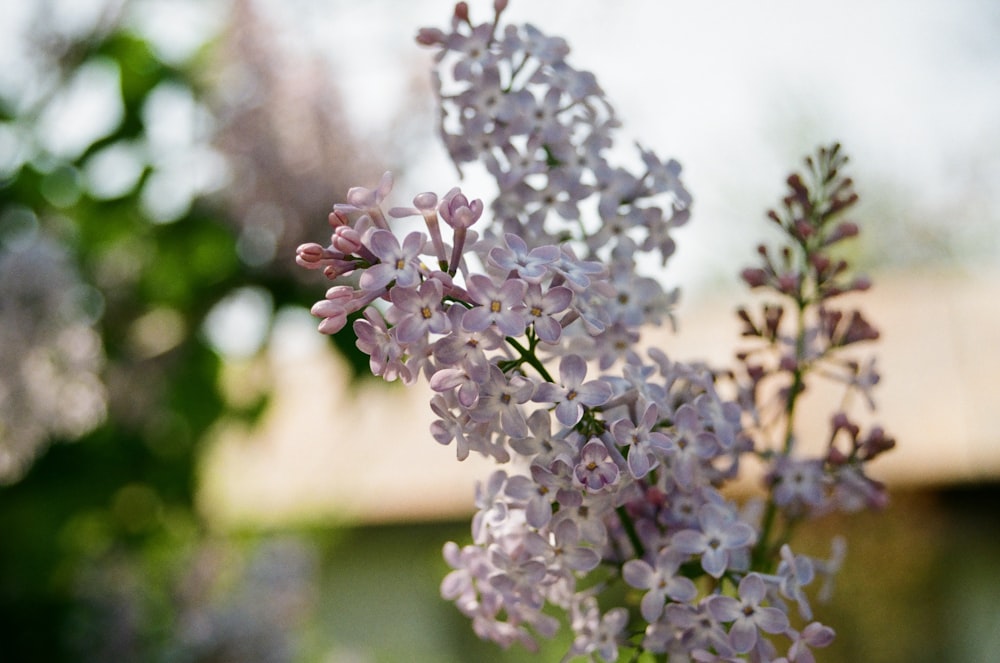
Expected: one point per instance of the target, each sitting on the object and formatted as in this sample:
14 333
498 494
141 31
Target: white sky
736 91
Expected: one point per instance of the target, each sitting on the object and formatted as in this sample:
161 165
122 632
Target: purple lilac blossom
747 614
596 470
572 395
662 581
540 307
630 477
642 441
501 399
416 312
398 263
501 305
720 534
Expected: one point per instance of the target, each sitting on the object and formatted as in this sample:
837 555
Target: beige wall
327 451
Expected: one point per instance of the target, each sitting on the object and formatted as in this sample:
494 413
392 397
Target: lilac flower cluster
527 332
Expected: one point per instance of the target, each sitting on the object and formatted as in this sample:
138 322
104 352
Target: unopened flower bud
346 240
843 230
310 255
858 329
430 37
876 443
425 201
788 283
861 283
836 457
803 228
458 212
754 277
338 218
820 263
839 421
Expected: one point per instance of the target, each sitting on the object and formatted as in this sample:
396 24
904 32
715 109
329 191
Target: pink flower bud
310 255
346 240
430 37
338 218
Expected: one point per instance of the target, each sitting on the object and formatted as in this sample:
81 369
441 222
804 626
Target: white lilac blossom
616 481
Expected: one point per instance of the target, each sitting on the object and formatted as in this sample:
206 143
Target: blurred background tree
150 203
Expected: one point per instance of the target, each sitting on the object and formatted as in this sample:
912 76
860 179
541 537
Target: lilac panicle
617 480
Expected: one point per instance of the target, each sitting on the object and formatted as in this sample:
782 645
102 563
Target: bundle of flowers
525 317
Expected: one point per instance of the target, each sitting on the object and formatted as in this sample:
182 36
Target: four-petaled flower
417 311
540 307
530 266
596 470
573 394
719 537
398 263
661 580
642 441
501 305
384 351
747 614
501 399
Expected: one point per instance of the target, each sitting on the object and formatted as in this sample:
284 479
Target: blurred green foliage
123 494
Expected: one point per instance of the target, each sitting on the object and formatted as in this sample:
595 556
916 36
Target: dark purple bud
788 283
755 373
820 263
861 283
840 421
840 204
754 277
788 363
772 319
836 457
803 228
875 443
843 230
795 182
430 37
749 328
858 329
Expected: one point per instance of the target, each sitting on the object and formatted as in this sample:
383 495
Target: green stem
798 376
765 548
630 532
528 357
